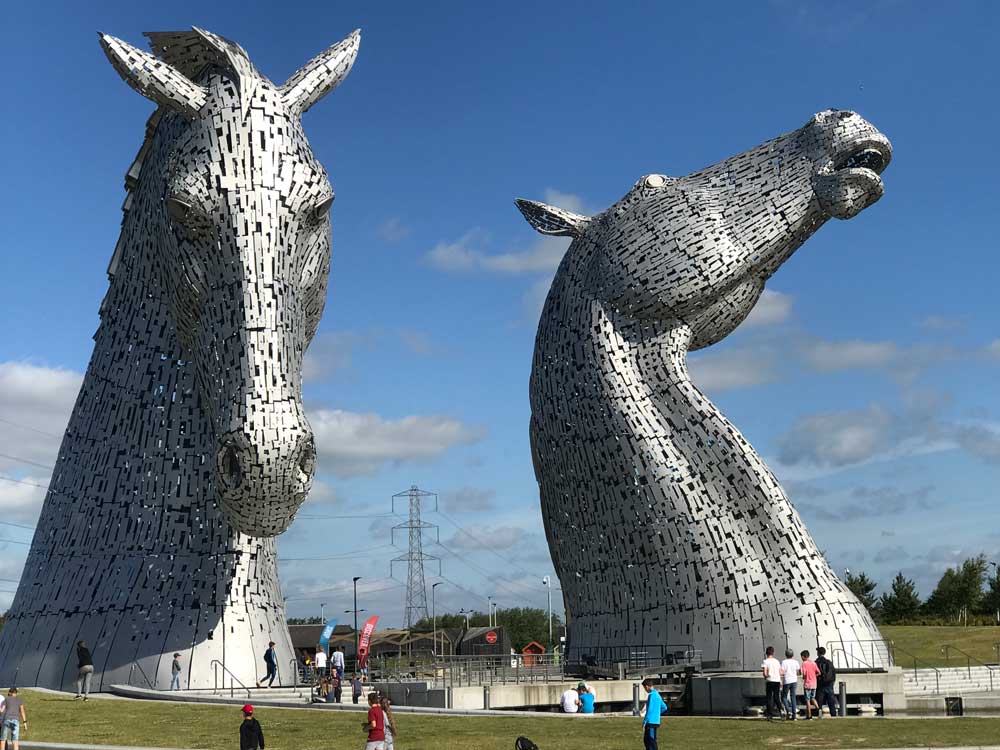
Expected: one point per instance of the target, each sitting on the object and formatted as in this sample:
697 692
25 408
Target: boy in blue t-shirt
586 699
651 721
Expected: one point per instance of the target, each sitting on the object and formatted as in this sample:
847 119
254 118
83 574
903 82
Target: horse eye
178 208
322 209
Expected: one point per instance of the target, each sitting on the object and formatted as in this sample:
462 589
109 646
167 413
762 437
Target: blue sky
866 377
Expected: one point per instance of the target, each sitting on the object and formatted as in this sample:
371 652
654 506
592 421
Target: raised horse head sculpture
189 449
664 524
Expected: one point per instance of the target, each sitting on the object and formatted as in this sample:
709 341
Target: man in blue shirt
651 722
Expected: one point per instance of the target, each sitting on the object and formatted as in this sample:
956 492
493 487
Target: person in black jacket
85 669
271 664
251 735
824 684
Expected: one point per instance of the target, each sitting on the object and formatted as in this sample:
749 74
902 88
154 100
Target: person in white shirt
771 669
337 660
570 701
319 661
790 678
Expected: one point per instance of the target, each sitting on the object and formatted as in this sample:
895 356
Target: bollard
843 698
635 699
486 697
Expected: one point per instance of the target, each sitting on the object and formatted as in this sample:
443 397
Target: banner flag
324 639
366 638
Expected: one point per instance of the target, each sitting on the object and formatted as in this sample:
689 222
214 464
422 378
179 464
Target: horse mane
190 52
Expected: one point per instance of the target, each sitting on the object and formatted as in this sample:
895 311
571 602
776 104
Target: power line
485 545
342 556
26 461
497 581
362 515
27 427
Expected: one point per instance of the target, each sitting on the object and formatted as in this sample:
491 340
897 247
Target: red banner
366 638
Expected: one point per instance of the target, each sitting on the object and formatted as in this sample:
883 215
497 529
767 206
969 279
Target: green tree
304 621
991 599
522 624
960 591
863 587
901 603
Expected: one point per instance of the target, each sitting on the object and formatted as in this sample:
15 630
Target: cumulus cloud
352 444
836 438
469 500
732 369
393 230
772 308
329 351
829 356
980 441
496 538
891 554
869 502
35 405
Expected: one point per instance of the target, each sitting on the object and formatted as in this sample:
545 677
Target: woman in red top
375 724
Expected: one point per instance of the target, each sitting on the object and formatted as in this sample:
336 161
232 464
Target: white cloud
329 351
35 405
21 501
731 369
495 538
393 230
993 350
772 308
939 324
417 342
352 444
980 441
465 254
830 356
837 438
469 500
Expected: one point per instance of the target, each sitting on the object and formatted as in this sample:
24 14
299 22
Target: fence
870 654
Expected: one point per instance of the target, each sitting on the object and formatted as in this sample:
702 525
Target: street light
489 611
322 612
356 641
548 586
434 618
466 613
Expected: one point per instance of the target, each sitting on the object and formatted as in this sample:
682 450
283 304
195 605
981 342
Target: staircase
950 681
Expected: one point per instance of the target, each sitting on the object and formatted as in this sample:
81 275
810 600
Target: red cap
248 709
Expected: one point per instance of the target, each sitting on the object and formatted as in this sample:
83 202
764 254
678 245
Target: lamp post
356 579
489 611
434 618
322 613
466 613
548 587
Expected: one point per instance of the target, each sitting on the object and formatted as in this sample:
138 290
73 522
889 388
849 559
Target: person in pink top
809 674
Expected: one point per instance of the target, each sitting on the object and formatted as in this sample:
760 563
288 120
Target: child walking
375 725
251 735
390 722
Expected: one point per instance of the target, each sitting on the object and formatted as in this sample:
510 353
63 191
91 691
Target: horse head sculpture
664 524
235 211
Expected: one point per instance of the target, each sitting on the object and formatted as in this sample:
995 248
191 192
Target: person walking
356 689
338 688
824 684
771 669
375 724
390 722
251 734
85 670
655 708
271 663
337 660
789 684
175 673
11 720
809 674
319 662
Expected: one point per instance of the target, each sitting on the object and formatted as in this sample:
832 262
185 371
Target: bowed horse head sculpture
235 209
664 524
188 449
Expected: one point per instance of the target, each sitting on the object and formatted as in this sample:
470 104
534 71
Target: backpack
523 743
827 672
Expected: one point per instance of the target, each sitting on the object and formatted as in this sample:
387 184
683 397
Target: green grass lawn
926 642
149 723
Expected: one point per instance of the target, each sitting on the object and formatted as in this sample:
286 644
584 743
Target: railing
969 658
133 667
233 679
636 657
870 653
298 672
916 661
458 671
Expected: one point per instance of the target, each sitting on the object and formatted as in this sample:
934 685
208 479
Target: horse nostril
230 470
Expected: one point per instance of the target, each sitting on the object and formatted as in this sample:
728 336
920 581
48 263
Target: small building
484 642
531 653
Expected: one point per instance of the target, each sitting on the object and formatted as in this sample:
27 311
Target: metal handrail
294 663
850 656
216 663
132 667
937 672
969 658
833 646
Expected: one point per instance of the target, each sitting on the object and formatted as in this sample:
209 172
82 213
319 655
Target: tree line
965 595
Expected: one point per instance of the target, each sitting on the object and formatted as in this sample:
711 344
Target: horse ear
551 220
321 75
153 78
